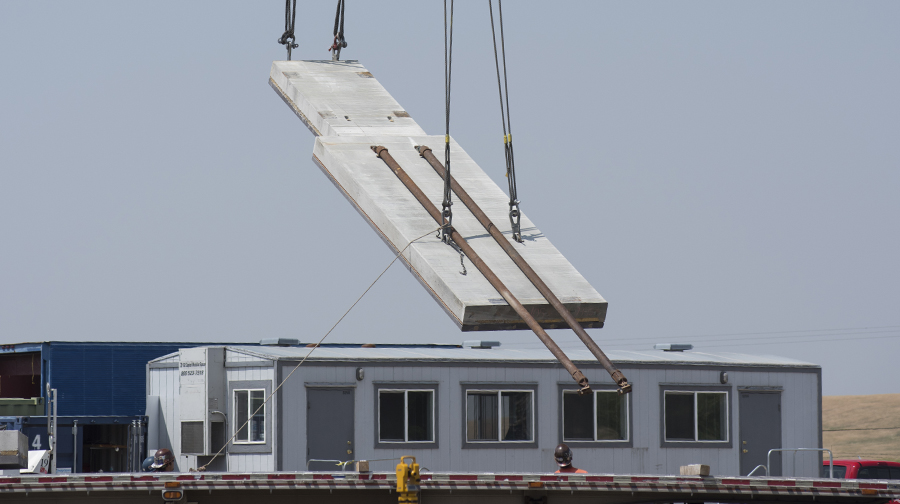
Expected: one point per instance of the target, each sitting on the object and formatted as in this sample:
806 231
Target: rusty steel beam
617 376
494 280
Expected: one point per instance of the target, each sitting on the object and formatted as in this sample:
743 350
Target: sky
725 174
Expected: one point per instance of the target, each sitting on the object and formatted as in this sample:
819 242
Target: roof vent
480 344
279 342
673 347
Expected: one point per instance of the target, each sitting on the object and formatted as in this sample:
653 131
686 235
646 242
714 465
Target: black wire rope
503 88
290 17
448 66
312 348
339 42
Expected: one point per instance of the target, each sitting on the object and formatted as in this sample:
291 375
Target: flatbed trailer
292 487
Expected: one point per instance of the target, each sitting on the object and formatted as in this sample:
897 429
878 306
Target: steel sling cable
339 42
290 16
311 350
514 214
448 64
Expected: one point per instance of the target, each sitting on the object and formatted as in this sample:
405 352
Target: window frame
271 411
407 387
406 392
694 390
565 387
499 388
234 405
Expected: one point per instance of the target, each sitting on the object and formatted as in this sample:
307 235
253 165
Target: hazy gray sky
724 173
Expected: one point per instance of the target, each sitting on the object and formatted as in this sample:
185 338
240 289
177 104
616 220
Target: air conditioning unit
201 397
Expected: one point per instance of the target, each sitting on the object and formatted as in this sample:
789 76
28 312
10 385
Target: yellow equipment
408 481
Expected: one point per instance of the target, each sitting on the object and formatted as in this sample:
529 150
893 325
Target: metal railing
343 464
769 459
757 467
337 462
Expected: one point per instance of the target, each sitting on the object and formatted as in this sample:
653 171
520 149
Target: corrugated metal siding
102 379
647 456
98 378
250 373
163 382
799 420
67 375
128 373
253 462
250 462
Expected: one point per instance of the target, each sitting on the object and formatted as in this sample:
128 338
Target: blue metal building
101 398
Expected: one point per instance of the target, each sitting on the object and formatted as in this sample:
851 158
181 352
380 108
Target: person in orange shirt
563 456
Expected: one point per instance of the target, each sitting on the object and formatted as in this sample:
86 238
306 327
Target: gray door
760 425
329 427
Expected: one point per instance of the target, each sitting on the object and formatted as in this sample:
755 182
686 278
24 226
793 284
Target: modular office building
100 399
480 409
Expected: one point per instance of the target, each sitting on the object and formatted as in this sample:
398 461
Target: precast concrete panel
349 112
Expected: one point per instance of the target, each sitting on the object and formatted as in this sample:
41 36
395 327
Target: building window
696 416
600 416
505 416
405 416
246 404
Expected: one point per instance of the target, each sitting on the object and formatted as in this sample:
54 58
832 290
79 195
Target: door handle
746 450
349 452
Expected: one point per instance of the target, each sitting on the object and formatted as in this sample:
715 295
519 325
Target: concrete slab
340 98
326 95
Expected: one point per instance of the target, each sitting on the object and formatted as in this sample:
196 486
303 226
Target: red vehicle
863 469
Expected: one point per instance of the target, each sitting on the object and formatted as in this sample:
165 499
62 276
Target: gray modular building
481 409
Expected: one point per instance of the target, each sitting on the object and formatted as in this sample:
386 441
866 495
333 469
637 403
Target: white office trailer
490 409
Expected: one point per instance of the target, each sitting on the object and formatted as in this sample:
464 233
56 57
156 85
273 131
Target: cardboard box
695 470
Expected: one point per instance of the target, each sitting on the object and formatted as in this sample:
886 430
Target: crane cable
290 16
339 42
503 88
312 347
447 214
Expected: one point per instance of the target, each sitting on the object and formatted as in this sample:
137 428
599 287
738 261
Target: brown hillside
866 426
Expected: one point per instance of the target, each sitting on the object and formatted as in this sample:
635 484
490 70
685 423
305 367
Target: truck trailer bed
224 488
